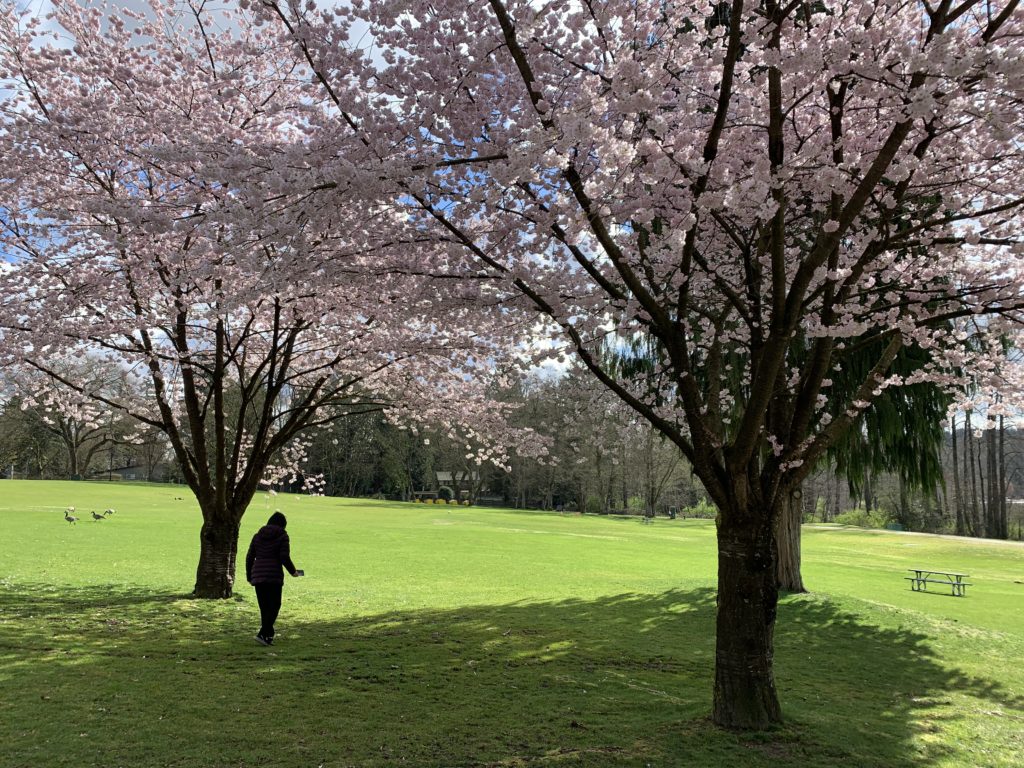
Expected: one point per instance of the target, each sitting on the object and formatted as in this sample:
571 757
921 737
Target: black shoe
264 640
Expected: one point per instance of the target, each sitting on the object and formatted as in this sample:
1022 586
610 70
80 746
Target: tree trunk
787 536
903 514
218 548
826 509
982 524
745 695
72 451
992 508
970 477
958 498
837 499
1004 527
930 519
869 491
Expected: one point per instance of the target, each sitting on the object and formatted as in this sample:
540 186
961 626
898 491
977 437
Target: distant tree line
600 459
37 448
48 433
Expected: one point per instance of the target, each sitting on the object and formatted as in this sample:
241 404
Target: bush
703 509
862 519
445 493
594 506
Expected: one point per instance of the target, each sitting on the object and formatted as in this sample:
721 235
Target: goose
96 516
107 512
68 516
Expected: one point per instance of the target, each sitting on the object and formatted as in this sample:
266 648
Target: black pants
269 598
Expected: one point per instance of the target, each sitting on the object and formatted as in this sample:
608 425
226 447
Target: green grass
436 636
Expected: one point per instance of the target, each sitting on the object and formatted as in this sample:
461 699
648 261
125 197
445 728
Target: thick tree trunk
787 536
745 695
218 548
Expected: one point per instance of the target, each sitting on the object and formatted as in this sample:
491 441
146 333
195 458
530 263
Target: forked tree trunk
745 695
218 550
787 536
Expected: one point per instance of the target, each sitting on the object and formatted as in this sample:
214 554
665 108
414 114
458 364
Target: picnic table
924 576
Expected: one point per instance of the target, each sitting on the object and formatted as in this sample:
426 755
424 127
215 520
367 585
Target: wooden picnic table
924 576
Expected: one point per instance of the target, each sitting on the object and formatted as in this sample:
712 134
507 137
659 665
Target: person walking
269 553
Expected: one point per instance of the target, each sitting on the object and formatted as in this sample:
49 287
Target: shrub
445 493
594 505
703 509
862 519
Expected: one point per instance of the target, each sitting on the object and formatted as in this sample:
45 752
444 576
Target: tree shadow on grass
128 677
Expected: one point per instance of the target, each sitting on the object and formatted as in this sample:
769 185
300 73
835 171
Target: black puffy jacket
268 553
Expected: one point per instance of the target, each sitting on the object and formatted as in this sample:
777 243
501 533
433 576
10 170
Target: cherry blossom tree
81 423
759 190
244 326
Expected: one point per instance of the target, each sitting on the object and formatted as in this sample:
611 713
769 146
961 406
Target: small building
465 483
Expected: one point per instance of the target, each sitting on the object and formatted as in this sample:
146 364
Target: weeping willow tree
900 434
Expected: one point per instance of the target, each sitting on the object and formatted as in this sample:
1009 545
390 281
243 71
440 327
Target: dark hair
277 519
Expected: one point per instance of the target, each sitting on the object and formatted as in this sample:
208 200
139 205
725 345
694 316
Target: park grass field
444 636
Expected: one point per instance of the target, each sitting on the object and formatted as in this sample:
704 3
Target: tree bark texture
788 540
745 696
218 549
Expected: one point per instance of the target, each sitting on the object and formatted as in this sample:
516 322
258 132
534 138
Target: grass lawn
437 636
